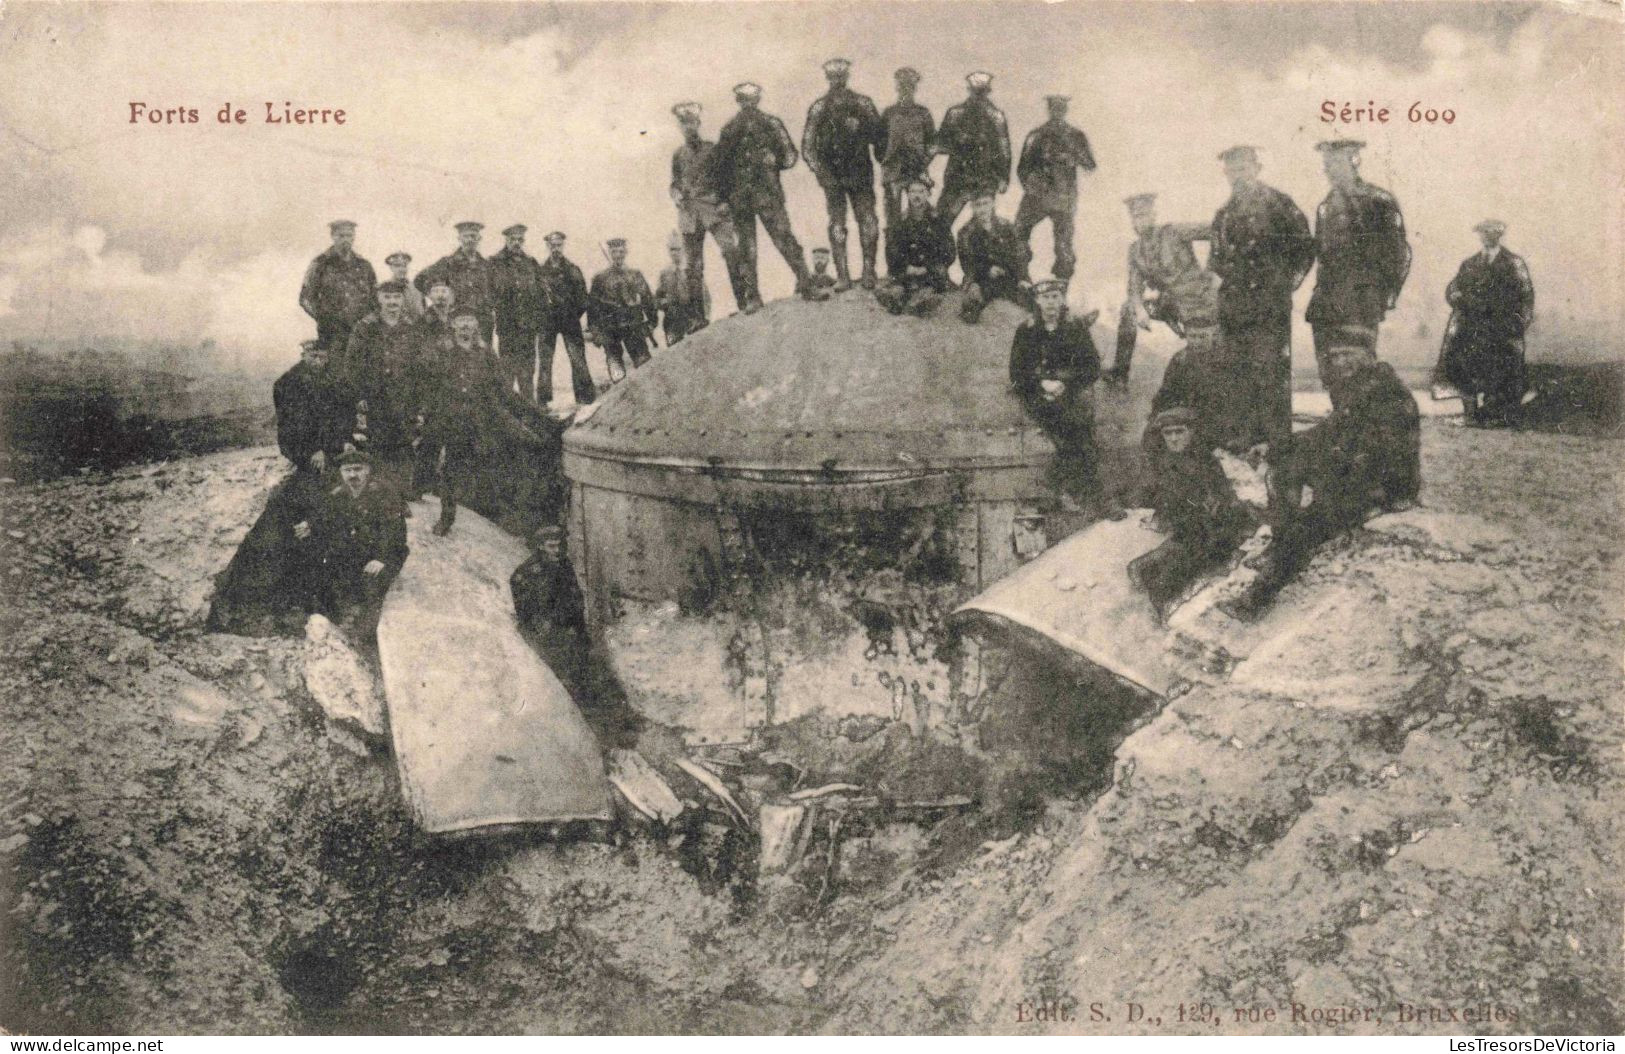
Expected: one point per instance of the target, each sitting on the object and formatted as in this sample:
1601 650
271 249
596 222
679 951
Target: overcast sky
557 116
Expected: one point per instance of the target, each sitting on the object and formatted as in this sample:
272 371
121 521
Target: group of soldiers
401 380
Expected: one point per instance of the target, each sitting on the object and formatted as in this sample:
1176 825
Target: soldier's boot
869 238
1127 337
843 269
448 516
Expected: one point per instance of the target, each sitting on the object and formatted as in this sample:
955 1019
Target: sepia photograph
759 517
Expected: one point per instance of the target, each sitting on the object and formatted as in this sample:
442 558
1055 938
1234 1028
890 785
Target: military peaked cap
1340 146
554 236
1140 202
616 243
838 66
470 225
686 111
1174 416
1057 98
341 225
1490 226
517 229
1049 285
981 80
747 92
398 258
394 285
352 456
1239 153
908 75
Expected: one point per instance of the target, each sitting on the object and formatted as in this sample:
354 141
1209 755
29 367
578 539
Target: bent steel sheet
484 733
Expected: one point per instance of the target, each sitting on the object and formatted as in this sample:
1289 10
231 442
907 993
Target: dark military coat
1368 452
351 530
920 239
1065 354
385 368
753 149
566 290
694 173
976 138
983 248
519 294
1262 249
470 276
907 129
339 287
842 128
315 411
1164 261
619 301
1050 158
1363 256
1494 301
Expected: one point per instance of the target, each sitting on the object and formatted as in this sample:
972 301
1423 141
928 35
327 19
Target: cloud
558 117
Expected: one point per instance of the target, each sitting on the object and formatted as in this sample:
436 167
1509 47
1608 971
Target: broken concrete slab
340 681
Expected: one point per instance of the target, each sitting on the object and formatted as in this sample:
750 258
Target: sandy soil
1416 802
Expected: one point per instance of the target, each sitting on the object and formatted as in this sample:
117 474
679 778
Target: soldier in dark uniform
398 263
751 152
520 298
1165 282
918 255
356 541
385 370
1048 170
478 428
566 303
1362 460
621 311
683 308
1194 505
338 289
1053 368
434 327
470 275
842 128
1261 249
315 411
994 258
976 138
700 209
908 131
1492 302
1362 254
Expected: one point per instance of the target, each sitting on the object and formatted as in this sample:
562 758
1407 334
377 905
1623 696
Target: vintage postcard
995 518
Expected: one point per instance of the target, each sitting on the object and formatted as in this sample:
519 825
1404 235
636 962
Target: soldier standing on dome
1262 249
520 298
751 152
338 289
681 312
918 256
994 258
1362 253
1492 301
398 262
621 311
470 275
1165 282
1048 170
1053 368
566 303
976 138
700 209
842 128
908 131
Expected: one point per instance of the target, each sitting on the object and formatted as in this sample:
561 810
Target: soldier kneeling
357 540
1194 505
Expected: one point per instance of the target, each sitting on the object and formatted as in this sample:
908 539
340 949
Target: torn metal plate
484 733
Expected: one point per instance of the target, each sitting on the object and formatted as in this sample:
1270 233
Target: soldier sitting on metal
1194 505
1053 368
683 306
337 290
1362 460
1492 302
470 275
1362 256
1048 170
1165 283
621 311
918 256
842 128
356 538
820 284
994 258
476 423
398 263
